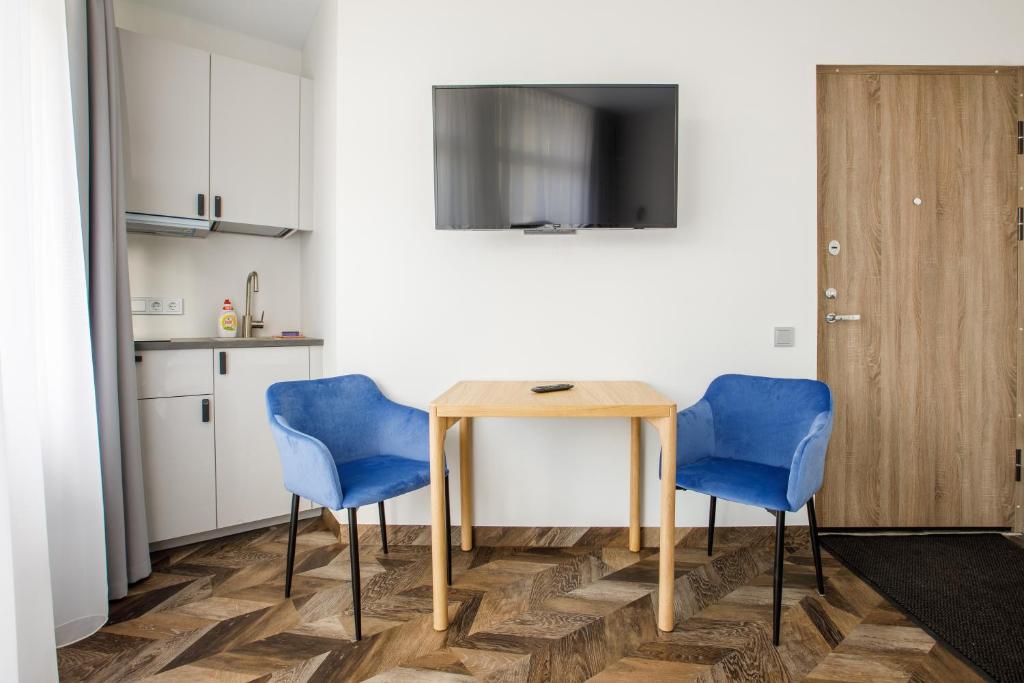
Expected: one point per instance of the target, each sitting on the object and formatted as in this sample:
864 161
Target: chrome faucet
252 285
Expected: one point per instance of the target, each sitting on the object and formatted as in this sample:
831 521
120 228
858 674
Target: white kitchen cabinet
166 126
249 480
173 372
316 371
218 467
178 465
254 144
306 154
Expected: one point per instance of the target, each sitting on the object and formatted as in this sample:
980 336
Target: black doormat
965 589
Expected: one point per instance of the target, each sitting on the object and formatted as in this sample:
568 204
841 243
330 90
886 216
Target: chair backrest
342 412
763 419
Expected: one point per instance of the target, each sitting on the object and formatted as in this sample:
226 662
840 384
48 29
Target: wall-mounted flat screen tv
555 157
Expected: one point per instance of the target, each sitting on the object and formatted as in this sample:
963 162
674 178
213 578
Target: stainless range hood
167 225
173 226
250 229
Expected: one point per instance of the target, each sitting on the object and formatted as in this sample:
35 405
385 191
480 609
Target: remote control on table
546 388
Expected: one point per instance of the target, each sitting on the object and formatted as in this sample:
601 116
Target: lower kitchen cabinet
209 458
249 484
178 465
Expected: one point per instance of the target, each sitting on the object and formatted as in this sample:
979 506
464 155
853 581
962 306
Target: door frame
1017 499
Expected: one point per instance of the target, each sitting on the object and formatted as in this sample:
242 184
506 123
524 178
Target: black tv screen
555 156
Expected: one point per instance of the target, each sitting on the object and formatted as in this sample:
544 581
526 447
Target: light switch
785 336
138 305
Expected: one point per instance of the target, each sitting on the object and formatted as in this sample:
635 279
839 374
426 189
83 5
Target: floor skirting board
525 536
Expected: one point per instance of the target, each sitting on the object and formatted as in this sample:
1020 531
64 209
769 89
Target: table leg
634 484
466 481
666 427
438 548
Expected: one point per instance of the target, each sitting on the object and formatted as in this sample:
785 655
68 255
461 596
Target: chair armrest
695 433
307 465
403 431
808 467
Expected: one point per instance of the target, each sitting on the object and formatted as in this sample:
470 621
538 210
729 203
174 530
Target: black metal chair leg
383 527
711 526
815 548
353 552
780 546
448 527
293 528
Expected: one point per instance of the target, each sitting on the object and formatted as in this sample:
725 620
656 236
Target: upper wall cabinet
214 138
166 126
306 155
254 146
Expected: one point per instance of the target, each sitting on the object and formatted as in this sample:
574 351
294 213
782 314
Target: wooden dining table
468 400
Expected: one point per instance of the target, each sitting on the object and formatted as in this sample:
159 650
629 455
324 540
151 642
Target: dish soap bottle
227 323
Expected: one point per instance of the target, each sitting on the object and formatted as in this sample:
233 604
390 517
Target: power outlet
157 305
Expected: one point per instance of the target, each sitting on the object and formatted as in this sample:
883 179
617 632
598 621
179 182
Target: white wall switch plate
158 305
785 336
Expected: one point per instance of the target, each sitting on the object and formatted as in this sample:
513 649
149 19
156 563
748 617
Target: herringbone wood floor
529 604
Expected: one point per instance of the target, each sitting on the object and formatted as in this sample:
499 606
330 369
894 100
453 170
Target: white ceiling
285 22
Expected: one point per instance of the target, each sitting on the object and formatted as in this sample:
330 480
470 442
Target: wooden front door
917 186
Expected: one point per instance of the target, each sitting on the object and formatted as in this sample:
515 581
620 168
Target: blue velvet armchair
759 441
344 444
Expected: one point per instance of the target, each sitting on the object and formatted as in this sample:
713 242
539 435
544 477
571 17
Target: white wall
199 34
206 271
420 309
318 285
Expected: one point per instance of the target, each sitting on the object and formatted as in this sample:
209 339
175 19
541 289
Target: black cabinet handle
223 362
216 206
206 410
201 204
138 358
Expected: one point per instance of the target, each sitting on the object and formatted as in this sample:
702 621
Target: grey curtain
113 346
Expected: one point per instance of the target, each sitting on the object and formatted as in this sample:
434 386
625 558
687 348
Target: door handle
216 206
835 318
223 362
201 204
206 410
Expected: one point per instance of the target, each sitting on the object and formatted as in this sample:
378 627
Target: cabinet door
249 482
178 466
170 372
306 154
254 150
166 126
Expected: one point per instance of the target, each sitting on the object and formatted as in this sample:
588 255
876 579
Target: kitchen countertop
221 343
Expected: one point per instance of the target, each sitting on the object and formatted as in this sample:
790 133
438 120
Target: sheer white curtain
52 555
549 144
515 155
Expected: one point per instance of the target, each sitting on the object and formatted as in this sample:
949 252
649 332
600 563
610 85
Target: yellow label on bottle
228 321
